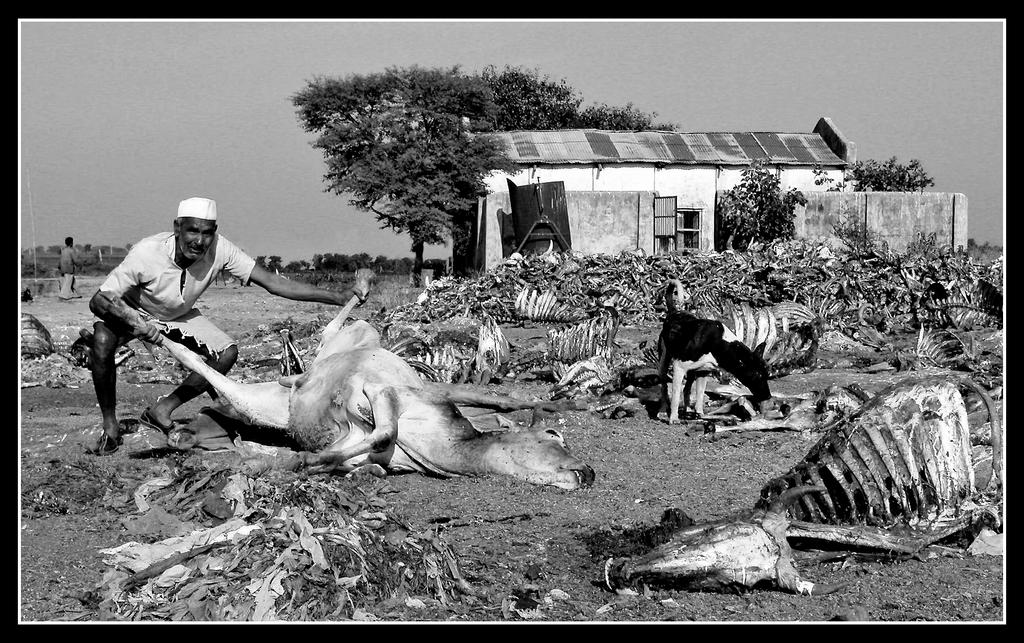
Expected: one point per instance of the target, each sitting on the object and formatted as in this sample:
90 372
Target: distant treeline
984 253
97 260
339 263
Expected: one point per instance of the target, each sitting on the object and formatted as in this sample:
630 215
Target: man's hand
149 333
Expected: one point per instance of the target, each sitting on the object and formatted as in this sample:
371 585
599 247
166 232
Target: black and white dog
691 345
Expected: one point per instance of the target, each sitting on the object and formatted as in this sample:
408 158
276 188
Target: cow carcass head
740 552
538 456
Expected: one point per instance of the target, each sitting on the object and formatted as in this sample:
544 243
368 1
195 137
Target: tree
627 118
528 101
398 145
757 209
890 176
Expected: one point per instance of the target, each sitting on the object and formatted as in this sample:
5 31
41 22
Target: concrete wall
895 217
612 221
599 222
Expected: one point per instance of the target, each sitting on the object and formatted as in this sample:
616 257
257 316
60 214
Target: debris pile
884 289
276 547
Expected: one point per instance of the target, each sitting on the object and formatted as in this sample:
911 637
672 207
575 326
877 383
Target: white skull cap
198 208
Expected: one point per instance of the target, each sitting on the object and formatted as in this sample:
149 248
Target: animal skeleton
904 456
903 459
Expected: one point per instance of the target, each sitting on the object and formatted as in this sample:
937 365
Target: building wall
694 186
895 217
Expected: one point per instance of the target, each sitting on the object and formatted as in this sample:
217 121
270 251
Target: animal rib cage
591 338
962 305
35 339
492 348
440 358
789 330
904 455
542 305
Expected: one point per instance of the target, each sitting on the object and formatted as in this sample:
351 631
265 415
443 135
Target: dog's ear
759 351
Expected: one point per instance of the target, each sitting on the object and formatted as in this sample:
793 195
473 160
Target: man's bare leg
105 343
191 387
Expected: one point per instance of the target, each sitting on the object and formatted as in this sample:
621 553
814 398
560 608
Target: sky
120 120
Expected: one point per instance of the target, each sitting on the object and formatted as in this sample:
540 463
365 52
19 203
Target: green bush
757 209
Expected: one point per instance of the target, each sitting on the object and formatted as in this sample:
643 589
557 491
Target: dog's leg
701 384
678 379
663 364
691 375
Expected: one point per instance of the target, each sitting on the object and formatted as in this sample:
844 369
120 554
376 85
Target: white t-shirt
149 279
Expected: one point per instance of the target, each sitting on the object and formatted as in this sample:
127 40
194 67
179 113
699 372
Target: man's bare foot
105 444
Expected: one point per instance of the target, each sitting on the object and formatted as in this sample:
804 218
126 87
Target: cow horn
787 497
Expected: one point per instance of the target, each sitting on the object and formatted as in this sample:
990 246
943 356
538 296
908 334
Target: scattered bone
592 338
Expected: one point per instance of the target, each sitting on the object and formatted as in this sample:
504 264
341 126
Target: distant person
69 265
162 277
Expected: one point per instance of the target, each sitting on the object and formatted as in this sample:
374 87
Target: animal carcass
903 457
742 552
902 460
35 338
359 404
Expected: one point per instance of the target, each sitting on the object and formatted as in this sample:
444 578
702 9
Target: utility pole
32 218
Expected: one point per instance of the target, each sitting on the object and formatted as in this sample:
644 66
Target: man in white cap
162 277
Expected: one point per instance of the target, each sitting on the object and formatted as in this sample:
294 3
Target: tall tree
399 144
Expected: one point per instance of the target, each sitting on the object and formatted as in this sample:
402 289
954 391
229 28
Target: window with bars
688 228
675 228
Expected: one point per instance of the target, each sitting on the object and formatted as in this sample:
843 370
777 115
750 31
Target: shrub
757 209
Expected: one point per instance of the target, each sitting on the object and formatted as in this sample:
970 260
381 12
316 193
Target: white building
650 190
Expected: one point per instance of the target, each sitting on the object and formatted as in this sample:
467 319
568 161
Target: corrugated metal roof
711 148
773 146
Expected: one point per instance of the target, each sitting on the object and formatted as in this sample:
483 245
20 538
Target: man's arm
301 291
111 309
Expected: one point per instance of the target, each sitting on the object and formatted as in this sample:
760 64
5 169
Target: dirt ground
512 539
